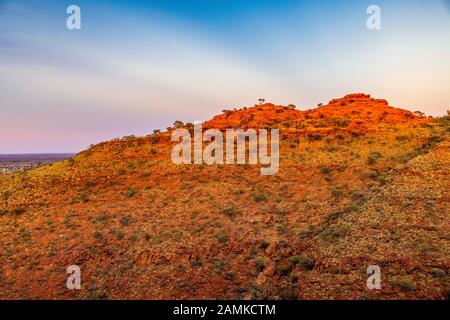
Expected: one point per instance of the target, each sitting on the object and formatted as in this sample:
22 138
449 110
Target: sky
135 66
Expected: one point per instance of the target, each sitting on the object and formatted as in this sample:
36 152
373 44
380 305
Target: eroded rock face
353 107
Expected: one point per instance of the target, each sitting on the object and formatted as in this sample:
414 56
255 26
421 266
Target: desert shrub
300 125
147 236
373 175
341 122
231 211
333 216
314 137
336 123
407 285
335 232
153 151
24 234
402 137
373 157
294 260
325 170
336 192
6 195
68 224
264 244
307 262
383 178
355 133
196 263
178 124
119 234
154 139
259 263
128 138
260 198
407 203
51 252
146 173
130 192
288 294
222 238
284 268
304 261
88 184
306 233
437 273
353 208
98 235
17 211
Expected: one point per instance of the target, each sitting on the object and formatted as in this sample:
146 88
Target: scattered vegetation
359 184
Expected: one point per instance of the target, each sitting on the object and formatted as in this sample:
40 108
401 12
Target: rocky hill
360 183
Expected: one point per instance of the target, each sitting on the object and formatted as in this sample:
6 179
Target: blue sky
139 65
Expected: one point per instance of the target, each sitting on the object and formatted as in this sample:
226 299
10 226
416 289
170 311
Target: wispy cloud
131 69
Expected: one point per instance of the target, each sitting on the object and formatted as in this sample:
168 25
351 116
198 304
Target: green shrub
18 211
325 170
295 260
229 211
130 192
146 173
333 216
196 263
307 263
353 208
407 285
437 273
373 175
336 192
373 157
222 238
260 198
304 261
25 234
314 137
98 235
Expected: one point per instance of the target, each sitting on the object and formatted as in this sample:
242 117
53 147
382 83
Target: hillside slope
360 183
